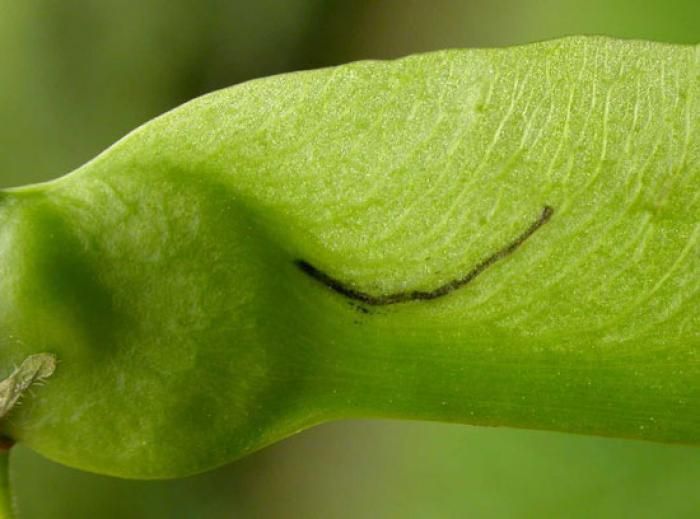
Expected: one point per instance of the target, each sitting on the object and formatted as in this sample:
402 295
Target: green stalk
6 508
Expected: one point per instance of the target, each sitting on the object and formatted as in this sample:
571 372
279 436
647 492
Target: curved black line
419 295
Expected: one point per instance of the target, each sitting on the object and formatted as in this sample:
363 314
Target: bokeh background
77 75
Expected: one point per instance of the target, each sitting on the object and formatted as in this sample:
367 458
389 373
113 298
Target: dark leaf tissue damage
346 290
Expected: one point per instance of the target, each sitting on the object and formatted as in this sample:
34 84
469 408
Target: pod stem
6 503
35 369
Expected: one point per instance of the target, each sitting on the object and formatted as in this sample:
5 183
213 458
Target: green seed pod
495 237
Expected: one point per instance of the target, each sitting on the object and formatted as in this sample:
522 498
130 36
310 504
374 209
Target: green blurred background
79 74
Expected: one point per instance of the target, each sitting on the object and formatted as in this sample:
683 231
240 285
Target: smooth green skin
161 274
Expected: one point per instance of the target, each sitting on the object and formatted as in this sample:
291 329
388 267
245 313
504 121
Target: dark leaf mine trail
346 290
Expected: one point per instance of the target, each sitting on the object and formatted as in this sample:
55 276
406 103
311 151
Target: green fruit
496 237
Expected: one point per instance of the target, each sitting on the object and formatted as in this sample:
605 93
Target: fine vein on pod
420 295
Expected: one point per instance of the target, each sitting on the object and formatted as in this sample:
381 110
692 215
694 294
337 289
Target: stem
6 509
35 368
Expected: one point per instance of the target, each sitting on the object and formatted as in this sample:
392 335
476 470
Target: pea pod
493 237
